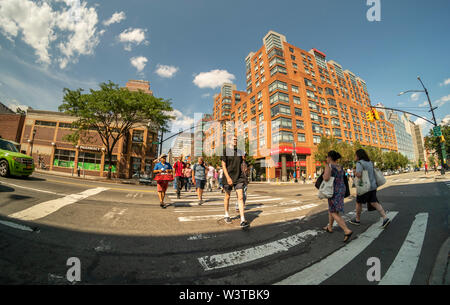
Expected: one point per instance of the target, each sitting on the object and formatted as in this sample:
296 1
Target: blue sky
78 44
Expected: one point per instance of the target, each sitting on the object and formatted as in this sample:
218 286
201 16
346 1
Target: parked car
145 179
12 162
397 172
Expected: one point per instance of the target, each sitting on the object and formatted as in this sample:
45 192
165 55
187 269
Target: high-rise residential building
183 145
418 142
292 98
403 134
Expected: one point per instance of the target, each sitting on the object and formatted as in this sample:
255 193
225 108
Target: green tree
433 144
113 112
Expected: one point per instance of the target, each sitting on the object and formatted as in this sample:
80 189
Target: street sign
437 131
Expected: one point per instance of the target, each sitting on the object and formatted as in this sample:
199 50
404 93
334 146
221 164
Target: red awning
289 149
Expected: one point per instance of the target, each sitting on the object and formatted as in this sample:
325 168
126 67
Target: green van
12 162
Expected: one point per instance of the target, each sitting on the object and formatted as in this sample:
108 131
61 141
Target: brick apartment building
11 124
292 98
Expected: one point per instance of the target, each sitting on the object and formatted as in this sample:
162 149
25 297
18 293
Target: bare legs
240 195
376 205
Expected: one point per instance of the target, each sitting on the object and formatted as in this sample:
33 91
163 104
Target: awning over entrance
288 150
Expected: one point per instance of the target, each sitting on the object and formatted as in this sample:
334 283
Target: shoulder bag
326 189
363 183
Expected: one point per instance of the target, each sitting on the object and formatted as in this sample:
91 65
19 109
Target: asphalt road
122 236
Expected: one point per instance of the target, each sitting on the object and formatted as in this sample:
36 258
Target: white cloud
139 62
73 26
166 71
415 96
115 18
446 120
206 95
424 104
14 105
440 102
181 121
445 83
213 79
133 36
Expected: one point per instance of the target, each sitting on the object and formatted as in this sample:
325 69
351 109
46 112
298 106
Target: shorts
161 186
238 186
370 196
200 184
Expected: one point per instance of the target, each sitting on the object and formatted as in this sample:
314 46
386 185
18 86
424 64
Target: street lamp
434 118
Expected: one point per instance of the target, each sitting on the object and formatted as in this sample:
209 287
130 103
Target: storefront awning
288 150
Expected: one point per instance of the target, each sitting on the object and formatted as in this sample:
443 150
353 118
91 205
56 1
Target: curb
441 273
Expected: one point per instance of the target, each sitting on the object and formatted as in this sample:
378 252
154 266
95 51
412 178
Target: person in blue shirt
162 167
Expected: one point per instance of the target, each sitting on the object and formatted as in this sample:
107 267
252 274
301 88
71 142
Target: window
252 100
113 163
312 105
324 111
253 110
261 117
278 69
276 52
301 137
310 94
277 60
89 161
316 128
296 100
45 123
316 139
280 109
292 57
262 142
298 111
259 95
329 91
65 125
327 132
281 122
308 82
64 158
138 136
259 106
294 65
294 89
315 117
332 102
278 85
334 112
300 124
326 121
337 132
279 97
291 50
335 122
282 136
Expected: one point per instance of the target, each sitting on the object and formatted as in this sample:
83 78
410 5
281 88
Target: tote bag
379 177
363 183
326 189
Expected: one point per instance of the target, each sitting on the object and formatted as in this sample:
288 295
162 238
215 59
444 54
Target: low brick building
43 137
11 124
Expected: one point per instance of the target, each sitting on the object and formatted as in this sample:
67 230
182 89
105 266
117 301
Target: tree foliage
433 145
112 112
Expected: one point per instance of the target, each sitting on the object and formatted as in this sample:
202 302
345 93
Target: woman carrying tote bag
336 202
365 167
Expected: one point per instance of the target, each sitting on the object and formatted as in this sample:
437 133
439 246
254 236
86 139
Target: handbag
326 189
347 188
379 177
318 181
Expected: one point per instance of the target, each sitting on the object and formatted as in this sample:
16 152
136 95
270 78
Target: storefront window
113 163
89 161
64 158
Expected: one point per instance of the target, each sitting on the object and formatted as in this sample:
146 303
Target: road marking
324 269
402 269
219 261
45 208
32 189
263 213
16 226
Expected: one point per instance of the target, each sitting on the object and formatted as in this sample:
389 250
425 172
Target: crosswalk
409 180
400 271
213 206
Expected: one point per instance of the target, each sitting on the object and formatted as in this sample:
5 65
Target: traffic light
442 139
375 114
369 116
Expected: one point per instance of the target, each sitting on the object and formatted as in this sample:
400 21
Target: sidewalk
90 178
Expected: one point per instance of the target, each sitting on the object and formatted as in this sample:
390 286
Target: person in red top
426 168
179 167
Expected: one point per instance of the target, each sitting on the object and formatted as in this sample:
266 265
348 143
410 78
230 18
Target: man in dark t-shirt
234 178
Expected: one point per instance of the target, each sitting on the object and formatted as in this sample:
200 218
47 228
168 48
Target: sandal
162 205
328 230
347 237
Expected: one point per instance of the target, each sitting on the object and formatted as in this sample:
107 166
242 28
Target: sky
187 49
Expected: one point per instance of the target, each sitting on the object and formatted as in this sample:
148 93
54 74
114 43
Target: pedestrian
426 168
234 178
304 177
179 167
210 177
245 171
336 202
363 163
199 172
165 174
188 177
